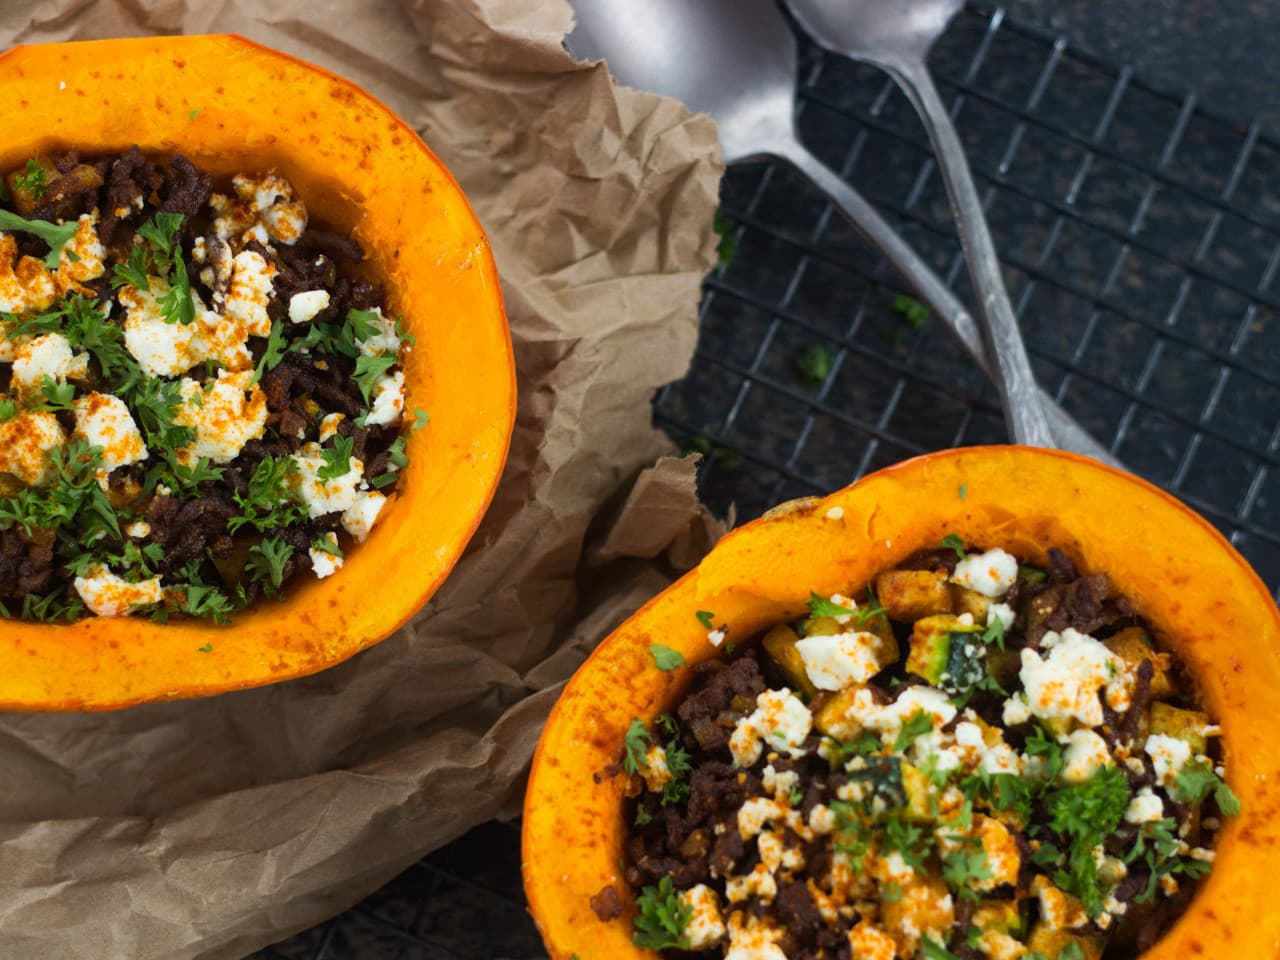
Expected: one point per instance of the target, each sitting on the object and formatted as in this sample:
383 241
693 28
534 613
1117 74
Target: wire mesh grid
1140 237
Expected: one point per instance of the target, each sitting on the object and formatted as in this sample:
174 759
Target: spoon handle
1016 381
1061 429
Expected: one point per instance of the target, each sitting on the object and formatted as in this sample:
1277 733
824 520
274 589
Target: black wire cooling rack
1140 237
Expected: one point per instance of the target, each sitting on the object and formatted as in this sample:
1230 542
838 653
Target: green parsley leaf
706 618
364 324
994 634
642 817
727 247
420 419
267 503
1087 813
369 370
677 789
935 951
8 408
953 542
337 459
1196 780
396 455
822 607
916 725
32 180
1072 951
155 403
910 309
891 892
266 562
57 396
666 659
192 114
909 840
1041 743
176 304
133 273
961 868
814 364
55 235
208 602
160 231
206 648
963 490
327 545
636 744
661 918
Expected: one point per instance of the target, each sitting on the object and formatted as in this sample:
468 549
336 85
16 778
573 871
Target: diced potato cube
780 645
1049 942
908 595
965 600
925 906
1186 725
1132 646
831 717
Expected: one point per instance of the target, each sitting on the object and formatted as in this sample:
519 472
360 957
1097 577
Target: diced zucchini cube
908 595
915 785
1185 725
780 646
947 653
883 778
1000 916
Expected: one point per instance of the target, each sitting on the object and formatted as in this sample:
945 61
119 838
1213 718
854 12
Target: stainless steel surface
896 35
735 60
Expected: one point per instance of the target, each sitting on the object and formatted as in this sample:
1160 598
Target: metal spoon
896 36
736 61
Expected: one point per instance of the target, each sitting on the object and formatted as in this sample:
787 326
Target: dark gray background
1226 51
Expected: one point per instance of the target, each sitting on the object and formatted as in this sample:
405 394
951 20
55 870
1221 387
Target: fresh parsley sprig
56 235
661 919
266 563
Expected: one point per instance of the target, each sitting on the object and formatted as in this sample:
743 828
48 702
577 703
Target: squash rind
217 100
1202 599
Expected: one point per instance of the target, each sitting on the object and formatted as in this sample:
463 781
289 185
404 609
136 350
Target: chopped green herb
661 919
961 868
933 950
8 408
55 235
192 114
207 648
369 370
420 419
953 542
272 353
912 310
814 364
337 459
820 606
963 490
665 658
916 725
57 396
266 562
208 602
706 618
132 273
327 544
636 745
32 180
1196 780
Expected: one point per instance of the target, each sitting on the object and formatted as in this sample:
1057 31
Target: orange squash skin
230 105
1201 598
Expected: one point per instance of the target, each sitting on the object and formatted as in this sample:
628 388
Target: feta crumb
105 421
780 719
138 529
1066 683
384 340
833 662
990 574
250 292
25 444
835 513
48 355
324 563
716 637
388 400
162 349
705 927
304 306
107 595
1002 612
1085 755
225 414
1145 807
334 495
1168 755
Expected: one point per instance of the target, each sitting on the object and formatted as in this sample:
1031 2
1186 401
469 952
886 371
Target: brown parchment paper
209 828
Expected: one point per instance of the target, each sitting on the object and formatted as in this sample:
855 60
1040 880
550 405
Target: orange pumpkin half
1201 598
230 106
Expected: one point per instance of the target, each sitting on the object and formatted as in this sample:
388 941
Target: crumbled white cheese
990 574
780 719
835 513
138 529
758 883
384 340
48 355
839 661
716 637
334 495
225 414
1016 710
263 209
105 421
887 720
304 306
25 444
250 292
83 257
162 349
1066 683
1168 755
1002 612
359 518
107 595
329 425
25 286
388 400
752 939
1085 755
324 563
705 927
655 770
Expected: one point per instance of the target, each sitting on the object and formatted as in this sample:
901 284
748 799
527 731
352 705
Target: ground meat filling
978 759
200 397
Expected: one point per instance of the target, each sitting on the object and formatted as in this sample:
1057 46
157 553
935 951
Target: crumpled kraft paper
209 828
